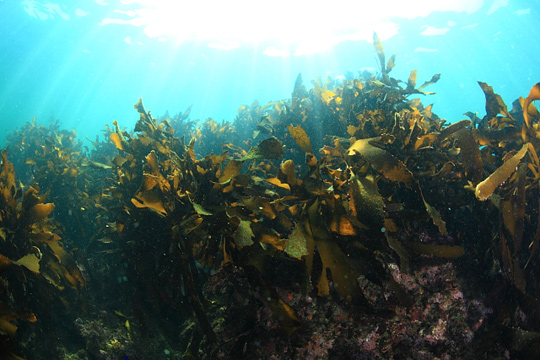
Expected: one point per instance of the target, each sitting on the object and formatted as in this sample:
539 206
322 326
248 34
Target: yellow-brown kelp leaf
379 49
300 136
451 129
8 329
52 272
9 312
342 225
487 136
65 268
414 133
5 263
243 236
39 212
277 182
425 141
352 130
200 210
411 83
284 315
149 199
470 153
139 106
149 182
432 81
297 242
534 94
434 214
339 220
119 161
71 172
152 167
384 162
486 188
365 203
535 165
332 257
343 275
494 103
427 112
516 214
289 174
29 261
95 164
269 239
115 138
390 230
270 148
391 63
474 118
260 205
7 177
299 93
152 160
266 126
232 169
327 96
118 138
149 142
441 251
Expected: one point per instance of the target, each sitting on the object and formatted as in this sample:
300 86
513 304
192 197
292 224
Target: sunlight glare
282 27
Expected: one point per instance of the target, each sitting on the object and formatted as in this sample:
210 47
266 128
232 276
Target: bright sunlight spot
279 27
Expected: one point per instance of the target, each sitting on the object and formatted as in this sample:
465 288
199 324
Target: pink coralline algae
436 322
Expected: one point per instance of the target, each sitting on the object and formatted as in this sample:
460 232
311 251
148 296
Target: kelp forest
347 222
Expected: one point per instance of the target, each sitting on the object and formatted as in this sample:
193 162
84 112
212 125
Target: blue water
87 62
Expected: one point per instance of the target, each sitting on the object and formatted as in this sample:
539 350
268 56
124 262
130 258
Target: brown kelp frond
245 226
32 254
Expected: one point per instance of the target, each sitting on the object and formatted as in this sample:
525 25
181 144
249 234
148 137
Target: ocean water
87 63
340 223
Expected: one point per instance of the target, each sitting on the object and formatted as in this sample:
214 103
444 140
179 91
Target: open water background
87 62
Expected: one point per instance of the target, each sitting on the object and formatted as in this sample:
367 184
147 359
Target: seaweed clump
34 265
264 238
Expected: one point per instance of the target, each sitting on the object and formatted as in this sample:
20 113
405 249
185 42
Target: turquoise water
282 248
87 62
